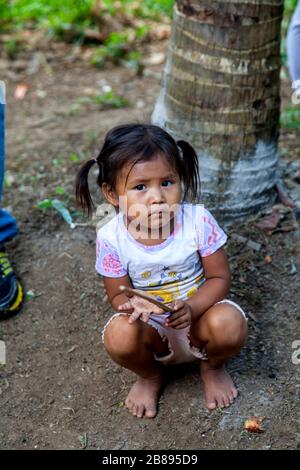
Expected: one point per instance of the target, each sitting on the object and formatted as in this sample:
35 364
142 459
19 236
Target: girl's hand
141 308
182 316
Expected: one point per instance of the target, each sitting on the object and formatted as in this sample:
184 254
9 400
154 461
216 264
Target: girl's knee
122 338
228 326
223 324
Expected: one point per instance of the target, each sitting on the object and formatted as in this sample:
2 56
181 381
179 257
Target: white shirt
170 270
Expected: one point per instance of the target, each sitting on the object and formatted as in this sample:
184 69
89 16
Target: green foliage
289 6
70 20
45 204
13 46
140 8
290 118
49 14
117 48
109 99
59 17
59 161
60 191
74 158
59 206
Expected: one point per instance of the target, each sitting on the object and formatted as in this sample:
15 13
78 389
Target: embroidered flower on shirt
111 263
108 260
214 236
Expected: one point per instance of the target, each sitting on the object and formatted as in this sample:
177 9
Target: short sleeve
108 262
212 236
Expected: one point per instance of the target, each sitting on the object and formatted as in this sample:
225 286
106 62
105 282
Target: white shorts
179 344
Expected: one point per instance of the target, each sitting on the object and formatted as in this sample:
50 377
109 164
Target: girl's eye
139 187
165 183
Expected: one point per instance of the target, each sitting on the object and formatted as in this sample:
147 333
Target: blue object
8 225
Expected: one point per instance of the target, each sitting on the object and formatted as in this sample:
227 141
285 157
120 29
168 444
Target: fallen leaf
268 259
283 197
21 91
270 222
160 32
254 424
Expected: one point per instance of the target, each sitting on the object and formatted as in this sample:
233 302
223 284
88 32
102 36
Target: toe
150 411
140 411
226 401
221 401
231 397
234 392
128 403
131 407
211 405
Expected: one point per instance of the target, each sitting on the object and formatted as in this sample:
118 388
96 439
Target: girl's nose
156 196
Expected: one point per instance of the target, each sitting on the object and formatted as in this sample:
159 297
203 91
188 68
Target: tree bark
220 92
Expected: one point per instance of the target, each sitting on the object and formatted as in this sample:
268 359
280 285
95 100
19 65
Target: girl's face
147 191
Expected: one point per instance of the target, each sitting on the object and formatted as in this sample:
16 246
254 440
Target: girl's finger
174 316
178 321
125 306
182 325
157 310
145 317
171 305
178 305
134 316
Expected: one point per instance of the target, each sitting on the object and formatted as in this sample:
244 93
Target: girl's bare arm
114 295
217 285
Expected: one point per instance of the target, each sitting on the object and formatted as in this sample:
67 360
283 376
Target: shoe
11 291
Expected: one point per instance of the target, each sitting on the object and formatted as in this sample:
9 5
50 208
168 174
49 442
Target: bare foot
142 398
218 387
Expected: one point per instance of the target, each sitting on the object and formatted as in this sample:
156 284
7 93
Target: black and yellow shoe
11 292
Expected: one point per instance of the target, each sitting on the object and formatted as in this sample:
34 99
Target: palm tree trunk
220 91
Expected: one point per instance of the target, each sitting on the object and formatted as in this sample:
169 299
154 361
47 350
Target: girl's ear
109 194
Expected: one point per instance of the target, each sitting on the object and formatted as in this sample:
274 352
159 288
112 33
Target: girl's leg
132 346
222 331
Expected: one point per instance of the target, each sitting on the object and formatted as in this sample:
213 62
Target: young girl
171 249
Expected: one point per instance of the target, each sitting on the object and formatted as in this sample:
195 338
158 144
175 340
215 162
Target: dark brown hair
133 143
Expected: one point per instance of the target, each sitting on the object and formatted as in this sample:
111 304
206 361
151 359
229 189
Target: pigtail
190 168
82 192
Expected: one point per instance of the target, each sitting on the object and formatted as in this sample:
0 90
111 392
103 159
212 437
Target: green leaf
45 204
74 157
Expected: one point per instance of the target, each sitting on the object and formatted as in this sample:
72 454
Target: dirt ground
59 389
